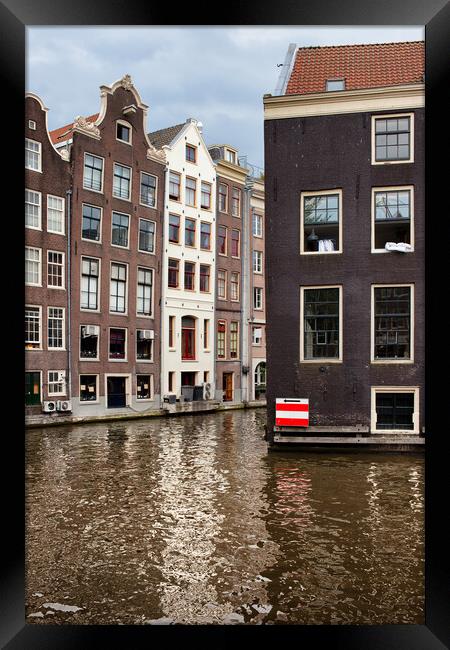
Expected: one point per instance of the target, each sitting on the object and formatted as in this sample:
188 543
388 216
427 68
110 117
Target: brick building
344 152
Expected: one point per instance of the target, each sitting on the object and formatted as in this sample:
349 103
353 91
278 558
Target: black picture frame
15 16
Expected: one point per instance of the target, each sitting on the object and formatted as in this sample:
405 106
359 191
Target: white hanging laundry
326 245
401 247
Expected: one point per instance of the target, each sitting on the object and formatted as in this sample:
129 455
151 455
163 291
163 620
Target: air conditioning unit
49 407
207 390
91 330
146 334
64 405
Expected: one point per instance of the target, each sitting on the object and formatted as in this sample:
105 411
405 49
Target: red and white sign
291 412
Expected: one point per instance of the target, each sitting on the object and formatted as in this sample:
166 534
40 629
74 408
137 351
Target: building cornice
231 172
346 101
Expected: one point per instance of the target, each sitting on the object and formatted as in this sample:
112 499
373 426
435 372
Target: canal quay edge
202 332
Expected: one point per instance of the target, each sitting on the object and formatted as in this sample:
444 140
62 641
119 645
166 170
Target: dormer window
230 156
123 132
335 84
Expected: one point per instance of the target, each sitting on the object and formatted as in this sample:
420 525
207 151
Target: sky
217 75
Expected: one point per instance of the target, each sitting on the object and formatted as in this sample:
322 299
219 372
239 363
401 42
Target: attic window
123 132
335 84
32 125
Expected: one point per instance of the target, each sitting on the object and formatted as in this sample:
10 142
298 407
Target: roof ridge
323 47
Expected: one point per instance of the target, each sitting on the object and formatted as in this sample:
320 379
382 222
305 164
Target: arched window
260 380
188 338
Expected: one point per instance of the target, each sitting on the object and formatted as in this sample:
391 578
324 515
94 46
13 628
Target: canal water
190 520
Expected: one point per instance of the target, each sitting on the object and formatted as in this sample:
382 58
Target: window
230 156
32 328
33 273
173 273
335 84
32 125
144 292
33 209
235 239
205 200
256 335
123 132
93 173
144 346
234 340
188 338
189 232
257 298
234 286
91 222
392 323
174 228
257 262
89 335
191 189
205 236
392 216
119 234
55 269
204 277
33 157
122 182
171 331
147 230
320 320
191 153
171 381
117 344
257 225
223 197
55 328
222 285
143 387
206 334
89 283
189 276
56 382
392 138
174 186
148 190
395 409
55 214
88 388
236 202
118 288
321 222
222 240
221 334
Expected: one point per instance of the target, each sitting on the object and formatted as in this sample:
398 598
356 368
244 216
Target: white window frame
63 382
39 227
151 360
238 286
257 262
83 359
127 281
90 189
39 155
117 327
123 214
128 125
257 340
39 342
219 297
258 234
130 187
60 198
127 387
394 389
97 391
152 394
39 264
97 207
63 270
153 252
152 273
304 195
411 140
392 188
32 125
99 283
322 360
63 328
146 205
255 302
377 362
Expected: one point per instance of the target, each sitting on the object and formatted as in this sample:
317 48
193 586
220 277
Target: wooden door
227 385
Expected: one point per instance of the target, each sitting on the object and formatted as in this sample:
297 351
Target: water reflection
191 521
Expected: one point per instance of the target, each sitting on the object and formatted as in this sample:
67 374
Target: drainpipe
164 265
246 288
69 292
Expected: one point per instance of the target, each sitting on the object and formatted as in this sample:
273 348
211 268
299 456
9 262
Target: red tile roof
362 66
63 133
